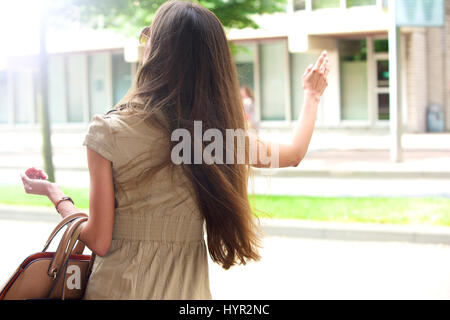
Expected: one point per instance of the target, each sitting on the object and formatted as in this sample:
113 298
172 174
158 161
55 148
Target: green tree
129 16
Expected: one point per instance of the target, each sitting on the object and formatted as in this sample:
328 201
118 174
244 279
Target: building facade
271 60
81 84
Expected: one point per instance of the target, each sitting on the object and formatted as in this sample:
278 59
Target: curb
347 174
289 228
26 213
356 231
308 173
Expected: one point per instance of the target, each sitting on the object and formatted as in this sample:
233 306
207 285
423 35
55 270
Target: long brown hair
188 75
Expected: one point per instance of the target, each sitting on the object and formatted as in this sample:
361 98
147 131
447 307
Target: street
293 268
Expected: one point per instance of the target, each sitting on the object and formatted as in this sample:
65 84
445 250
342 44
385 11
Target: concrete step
290 228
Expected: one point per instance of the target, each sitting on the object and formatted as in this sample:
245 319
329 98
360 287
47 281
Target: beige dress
158 249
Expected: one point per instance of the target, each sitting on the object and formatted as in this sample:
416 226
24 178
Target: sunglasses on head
145 35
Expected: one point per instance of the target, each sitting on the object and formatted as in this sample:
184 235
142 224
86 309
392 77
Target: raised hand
315 78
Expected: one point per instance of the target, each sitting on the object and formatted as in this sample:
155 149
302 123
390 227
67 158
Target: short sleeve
100 137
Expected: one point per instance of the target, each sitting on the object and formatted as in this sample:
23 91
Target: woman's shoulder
130 122
119 118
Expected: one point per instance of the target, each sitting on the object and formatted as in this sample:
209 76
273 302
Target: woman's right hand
35 182
315 79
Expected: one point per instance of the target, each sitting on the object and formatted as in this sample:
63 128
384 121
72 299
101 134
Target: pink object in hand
34 173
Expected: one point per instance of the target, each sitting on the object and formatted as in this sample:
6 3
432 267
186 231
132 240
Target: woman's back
158 249
147 212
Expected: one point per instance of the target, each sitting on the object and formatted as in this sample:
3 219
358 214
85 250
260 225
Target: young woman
146 214
249 106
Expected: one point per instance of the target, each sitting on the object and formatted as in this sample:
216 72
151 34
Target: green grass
405 211
15 195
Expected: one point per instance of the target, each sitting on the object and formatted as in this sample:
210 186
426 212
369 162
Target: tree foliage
129 16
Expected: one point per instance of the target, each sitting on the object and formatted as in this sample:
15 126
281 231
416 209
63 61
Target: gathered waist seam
160 241
147 228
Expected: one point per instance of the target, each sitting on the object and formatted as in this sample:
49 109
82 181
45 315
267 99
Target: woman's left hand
35 182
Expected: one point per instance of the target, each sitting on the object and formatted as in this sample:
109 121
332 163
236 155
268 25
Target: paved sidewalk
431 164
289 228
339 163
434 164
331 153
294 268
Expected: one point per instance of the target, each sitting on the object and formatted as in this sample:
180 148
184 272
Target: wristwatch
62 200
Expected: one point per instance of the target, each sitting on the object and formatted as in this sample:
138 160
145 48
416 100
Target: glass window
381 45
353 50
122 78
299 63
323 4
354 85
57 98
24 96
357 3
383 106
99 89
273 80
383 73
299 5
4 112
76 81
244 59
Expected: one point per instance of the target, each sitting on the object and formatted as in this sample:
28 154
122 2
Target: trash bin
435 118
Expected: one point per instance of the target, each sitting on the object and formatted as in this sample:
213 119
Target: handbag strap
76 236
65 247
71 237
74 239
61 225
79 249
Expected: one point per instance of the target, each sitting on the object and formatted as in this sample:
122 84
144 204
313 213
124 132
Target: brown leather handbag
54 275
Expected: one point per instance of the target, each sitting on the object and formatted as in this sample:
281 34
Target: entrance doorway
364 74
354 79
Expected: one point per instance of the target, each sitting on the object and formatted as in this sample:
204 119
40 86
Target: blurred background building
89 71
355 33
88 74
